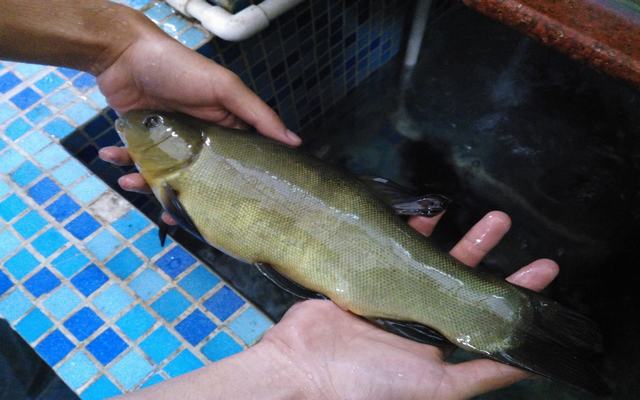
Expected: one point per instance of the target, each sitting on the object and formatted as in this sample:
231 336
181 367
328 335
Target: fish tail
559 344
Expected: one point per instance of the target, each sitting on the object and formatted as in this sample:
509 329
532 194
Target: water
495 120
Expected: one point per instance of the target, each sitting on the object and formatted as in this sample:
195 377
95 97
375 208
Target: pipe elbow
227 26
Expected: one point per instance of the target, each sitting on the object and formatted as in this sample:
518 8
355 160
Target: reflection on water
496 121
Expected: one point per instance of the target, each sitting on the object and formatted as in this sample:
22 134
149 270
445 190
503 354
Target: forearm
87 35
257 373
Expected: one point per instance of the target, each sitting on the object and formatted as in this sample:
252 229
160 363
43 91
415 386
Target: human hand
157 72
335 354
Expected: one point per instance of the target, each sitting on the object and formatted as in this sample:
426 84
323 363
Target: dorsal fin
404 201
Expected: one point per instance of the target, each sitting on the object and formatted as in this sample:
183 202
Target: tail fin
559 344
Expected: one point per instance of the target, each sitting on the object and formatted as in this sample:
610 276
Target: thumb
476 377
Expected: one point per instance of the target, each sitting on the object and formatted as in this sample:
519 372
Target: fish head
160 142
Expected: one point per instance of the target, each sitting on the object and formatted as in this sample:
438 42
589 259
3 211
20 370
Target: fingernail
293 138
103 155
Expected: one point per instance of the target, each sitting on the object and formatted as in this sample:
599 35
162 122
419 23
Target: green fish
319 232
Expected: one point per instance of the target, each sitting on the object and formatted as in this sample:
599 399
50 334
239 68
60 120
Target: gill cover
159 143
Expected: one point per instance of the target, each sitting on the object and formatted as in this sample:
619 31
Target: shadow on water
497 121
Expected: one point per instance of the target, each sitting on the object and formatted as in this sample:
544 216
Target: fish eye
152 121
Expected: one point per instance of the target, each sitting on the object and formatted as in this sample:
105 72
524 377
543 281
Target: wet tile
69 172
43 190
147 284
41 282
131 369
33 142
124 263
149 243
113 300
11 207
8 243
61 302
224 303
38 114
51 156
89 280
33 325
183 363
62 208
30 224
160 344
82 226
48 242
49 83
199 281
195 327
26 98
175 261
58 128
83 323
21 264
103 245
9 160
221 346
250 325
136 322
14 305
25 173
54 347
5 283
17 128
89 189
77 370
100 389
8 81
70 262
170 305
131 224
107 346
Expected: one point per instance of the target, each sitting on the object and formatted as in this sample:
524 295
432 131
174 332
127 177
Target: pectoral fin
403 201
286 284
171 203
413 331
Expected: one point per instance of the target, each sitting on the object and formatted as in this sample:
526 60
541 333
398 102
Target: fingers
115 155
537 275
246 105
473 378
425 225
134 183
482 237
168 219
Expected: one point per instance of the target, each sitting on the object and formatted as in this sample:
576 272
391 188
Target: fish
319 232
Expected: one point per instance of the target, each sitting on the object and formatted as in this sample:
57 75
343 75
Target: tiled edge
83 279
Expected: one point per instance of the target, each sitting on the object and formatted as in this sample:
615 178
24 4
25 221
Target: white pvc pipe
234 27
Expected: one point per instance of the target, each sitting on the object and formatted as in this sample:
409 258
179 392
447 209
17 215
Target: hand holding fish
319 351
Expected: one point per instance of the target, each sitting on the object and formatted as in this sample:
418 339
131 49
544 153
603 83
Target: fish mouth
121 126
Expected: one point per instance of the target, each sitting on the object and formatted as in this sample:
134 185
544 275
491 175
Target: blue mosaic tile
58 128
80 113
195 327
84 81
26 98
82 226
160 344
3 144
183 363
89 189
4 188
131 369
192 37
221 346
14 306
49 83
149 243
43 190
21 264
138 4
199 281
8 243
5 283
77 370
41 282
61 302
61 98
25 173
136 322
250 325
159 11
89 280
51 156
48 242
175 261
54 347
70 172
63 208
100 389
97 97
113 300
6 112
10 159
224 303
27 70
33 325
68 72
170 305
103 245
34 142
83 323
155 379
107 346
70 262
147 284
28 225
124 263
38 113
11 207
131 224
98 125
174 24
8 81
